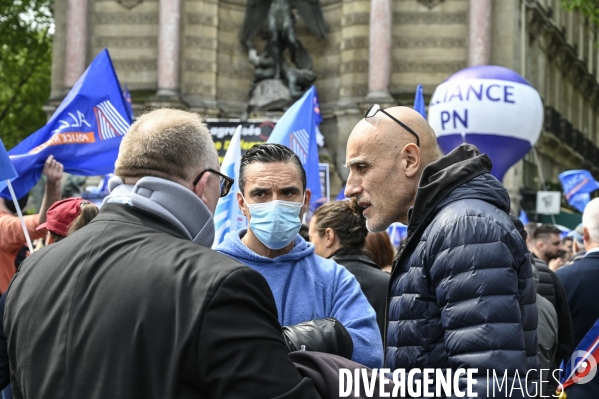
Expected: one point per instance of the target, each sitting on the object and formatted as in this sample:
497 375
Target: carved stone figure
275 20
129 4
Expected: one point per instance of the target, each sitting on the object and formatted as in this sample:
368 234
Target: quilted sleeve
483 283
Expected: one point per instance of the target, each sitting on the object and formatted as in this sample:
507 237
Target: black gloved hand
320 335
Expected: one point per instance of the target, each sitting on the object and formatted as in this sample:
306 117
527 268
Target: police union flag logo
110 122
299 142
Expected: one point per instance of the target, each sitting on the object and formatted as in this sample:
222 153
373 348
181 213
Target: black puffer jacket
461 291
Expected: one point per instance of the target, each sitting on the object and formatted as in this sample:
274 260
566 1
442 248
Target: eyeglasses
376 108
225 181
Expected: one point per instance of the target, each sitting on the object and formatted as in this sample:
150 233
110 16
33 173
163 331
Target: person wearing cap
12 237
67 216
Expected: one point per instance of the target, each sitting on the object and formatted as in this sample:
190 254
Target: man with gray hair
580 281
136 304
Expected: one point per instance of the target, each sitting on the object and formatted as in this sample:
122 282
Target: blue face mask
275 223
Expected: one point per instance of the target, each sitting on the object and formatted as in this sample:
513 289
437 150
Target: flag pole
534 151
14 200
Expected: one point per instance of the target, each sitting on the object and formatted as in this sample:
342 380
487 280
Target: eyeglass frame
223 185
400 123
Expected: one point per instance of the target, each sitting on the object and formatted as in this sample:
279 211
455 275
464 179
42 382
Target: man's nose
352 189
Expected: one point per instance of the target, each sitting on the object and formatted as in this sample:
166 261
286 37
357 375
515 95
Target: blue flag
128 102
523 217
228 216
7 169
579 201
397 232
84 133
577 185
297 130
419 102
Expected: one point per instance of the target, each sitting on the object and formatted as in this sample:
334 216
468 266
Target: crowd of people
130 301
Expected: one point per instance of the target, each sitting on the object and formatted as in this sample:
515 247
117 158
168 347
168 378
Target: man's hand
556 263
53 170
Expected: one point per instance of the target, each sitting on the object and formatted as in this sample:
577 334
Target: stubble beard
383 218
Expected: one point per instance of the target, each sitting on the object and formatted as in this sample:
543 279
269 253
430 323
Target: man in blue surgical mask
319 303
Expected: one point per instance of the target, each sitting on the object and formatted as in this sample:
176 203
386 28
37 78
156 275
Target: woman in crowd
378 248
338 231
67 216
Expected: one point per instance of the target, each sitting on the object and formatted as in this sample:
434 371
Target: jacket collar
127 214
444 175
347 251
593 253
169 201
354 254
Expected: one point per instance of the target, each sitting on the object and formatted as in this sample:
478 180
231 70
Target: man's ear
412 159
241 204
306 206
308 197
586 236
540 245
200 187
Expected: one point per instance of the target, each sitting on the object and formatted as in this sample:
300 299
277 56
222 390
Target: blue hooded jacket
461 291
306 286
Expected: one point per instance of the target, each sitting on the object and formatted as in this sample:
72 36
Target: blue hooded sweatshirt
306 287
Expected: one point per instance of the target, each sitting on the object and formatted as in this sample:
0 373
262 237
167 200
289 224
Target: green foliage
589 8
26 28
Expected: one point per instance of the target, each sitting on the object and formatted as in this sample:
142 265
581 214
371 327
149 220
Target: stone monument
279 80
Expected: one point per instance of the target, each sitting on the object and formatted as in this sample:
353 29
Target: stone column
76 43
168 48
379 67
480 33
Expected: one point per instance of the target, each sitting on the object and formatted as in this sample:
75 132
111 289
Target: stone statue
275 19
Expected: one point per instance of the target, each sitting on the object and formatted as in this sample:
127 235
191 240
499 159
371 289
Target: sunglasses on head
372 111
225 181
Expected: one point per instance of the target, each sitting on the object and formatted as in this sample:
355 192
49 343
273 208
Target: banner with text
252 133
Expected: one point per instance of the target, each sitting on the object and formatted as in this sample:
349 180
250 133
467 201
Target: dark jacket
546 333
580 281
372 280
551 289
128 308
461 291
577 256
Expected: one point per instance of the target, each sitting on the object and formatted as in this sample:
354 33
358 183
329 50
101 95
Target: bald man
461 293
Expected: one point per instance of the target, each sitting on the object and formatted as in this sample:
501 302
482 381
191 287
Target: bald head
390 131
386 164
